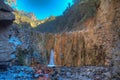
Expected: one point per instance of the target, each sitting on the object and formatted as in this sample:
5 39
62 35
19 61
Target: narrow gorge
97 44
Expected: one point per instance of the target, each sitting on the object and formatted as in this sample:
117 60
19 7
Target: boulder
6 15
6 19
6 48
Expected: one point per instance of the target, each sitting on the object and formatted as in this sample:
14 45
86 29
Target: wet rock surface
83 73
56 73
74 73
17 73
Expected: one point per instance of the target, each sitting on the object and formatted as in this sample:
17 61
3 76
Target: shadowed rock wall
6 19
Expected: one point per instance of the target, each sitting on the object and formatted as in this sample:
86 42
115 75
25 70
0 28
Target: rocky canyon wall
71 48
6 19
97 44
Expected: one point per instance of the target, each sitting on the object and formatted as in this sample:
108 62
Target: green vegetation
24 19
22 56
28 20
89 8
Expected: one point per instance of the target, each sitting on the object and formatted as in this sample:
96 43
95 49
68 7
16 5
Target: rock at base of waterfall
80 73
50 65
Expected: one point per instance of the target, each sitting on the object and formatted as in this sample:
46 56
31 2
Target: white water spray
51 63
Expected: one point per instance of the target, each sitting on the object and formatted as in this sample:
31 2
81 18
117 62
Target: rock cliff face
6 18
107 27
71 48
97 44
13 40
116 37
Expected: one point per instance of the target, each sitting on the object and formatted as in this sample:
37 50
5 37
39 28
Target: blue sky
43 8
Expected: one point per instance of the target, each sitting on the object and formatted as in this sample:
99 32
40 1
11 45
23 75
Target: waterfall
51 63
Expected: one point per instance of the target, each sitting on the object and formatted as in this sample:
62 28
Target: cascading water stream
51 63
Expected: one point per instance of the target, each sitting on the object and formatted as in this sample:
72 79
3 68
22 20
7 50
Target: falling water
51 63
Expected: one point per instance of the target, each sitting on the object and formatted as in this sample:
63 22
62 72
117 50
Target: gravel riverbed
56 73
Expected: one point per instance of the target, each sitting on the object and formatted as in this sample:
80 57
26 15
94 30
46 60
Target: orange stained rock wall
73 49
94 45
